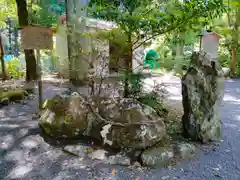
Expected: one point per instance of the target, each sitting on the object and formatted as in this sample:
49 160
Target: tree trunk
234 60
79 46
180 45
31 66
235 37
4 73
128 66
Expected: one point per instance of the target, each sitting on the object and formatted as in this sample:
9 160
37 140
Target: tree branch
154 35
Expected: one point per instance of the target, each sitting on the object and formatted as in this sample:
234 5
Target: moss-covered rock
130 124
163 156
202 91
120 123
65 116
11 95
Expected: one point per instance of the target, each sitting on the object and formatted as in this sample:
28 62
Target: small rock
165 177
158 156
99 154
120 159
78 150
228 150
226 71
184 150
136 164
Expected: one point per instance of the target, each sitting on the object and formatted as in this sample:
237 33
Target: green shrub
224 57
152 99
177 64
14 69
238 64
167 63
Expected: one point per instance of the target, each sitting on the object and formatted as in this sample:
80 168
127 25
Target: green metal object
151 59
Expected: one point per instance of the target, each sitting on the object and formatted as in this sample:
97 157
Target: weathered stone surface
202 91
77 150
84 151
183 150
120 123
157 156
129 124
66 116
226 71
162 156
120 158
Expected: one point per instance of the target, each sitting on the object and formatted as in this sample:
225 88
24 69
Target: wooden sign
33 37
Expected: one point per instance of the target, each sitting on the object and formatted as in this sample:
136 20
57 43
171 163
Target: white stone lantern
210 44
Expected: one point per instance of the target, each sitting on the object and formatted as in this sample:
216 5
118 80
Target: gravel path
25 155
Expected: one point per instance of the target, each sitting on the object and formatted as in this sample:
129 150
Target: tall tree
228 25
4 72
151 18
31 67
234 24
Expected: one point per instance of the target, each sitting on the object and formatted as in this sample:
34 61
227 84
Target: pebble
165 177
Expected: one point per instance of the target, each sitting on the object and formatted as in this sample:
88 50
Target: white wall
62 52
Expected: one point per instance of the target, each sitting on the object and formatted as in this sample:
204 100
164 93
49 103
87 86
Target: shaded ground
24 154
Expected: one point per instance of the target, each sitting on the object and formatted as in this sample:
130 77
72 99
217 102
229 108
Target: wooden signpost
34 37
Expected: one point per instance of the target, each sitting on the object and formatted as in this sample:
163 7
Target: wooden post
68 39
200 47
4 73
39 73
34 37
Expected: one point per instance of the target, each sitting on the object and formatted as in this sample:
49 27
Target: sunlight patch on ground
9 126
228 97
74 163
150 83
8 141
232 125
174 91
16 155
5 119
20 171
30 143
175 98
238 117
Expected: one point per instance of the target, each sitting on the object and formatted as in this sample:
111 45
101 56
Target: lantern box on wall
210 43
62 19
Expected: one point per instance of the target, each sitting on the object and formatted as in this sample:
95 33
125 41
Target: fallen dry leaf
137 178
114 172
90 150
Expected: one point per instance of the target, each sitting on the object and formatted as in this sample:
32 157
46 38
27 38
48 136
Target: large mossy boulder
128 124
66 116
119 123
202 92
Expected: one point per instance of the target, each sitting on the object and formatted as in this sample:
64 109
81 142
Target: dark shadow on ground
27 155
